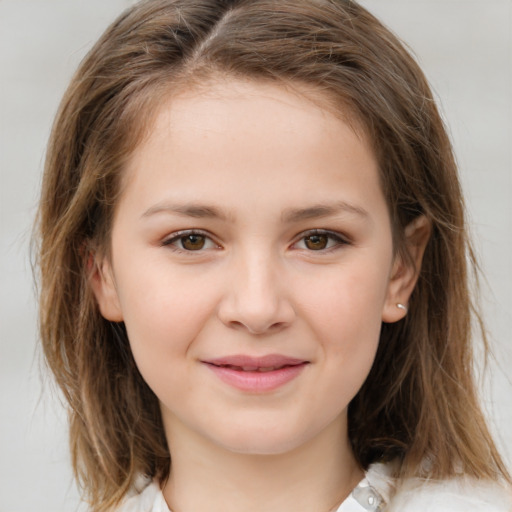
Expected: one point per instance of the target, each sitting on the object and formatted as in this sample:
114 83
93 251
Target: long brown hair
419 402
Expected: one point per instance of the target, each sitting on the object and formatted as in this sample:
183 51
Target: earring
402 306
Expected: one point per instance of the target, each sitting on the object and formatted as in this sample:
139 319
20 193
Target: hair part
419 402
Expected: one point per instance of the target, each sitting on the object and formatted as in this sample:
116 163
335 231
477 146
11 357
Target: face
252 264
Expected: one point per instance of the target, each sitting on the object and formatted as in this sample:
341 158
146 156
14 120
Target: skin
248 165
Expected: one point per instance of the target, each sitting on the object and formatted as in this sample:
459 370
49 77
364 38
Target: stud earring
402 306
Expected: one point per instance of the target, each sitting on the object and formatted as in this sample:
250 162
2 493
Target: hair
419 403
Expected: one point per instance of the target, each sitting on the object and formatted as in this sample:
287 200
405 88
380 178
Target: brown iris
193 242
316 242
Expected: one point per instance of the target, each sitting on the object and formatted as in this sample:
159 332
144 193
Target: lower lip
257 382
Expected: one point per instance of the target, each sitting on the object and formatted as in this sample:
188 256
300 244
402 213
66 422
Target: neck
317 476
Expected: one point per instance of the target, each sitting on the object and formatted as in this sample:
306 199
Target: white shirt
372 494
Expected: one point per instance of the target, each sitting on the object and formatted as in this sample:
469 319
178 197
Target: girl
254 282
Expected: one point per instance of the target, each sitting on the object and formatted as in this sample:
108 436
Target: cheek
348 298
163 312
345 314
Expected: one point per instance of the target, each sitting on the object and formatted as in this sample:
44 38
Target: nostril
255 316
254 329
236 324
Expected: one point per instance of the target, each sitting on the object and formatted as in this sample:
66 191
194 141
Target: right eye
190 241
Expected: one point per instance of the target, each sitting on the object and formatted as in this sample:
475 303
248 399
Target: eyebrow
197 211
322 210
289 216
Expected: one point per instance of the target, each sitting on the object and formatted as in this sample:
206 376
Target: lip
256 374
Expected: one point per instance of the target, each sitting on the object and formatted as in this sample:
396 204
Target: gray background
463 45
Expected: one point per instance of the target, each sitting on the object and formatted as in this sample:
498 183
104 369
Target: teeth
260 369
252 368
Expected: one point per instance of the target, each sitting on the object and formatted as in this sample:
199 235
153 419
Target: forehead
236 137
197 110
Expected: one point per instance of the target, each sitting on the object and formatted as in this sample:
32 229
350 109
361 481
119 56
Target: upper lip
246 361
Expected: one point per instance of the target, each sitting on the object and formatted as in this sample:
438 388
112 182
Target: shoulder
461 494
150 499
456 495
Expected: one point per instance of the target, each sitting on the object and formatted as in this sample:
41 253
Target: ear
406 269
104 289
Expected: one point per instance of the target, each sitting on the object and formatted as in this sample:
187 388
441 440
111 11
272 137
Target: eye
190 241
318 240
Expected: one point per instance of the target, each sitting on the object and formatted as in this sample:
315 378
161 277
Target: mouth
260 369
257 374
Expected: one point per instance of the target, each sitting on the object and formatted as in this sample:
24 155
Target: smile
253 368
256 375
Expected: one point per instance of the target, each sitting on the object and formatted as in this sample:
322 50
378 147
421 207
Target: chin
261 441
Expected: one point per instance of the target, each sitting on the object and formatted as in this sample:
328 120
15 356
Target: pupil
316 242
193 242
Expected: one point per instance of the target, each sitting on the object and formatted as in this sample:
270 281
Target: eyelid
175 236
339 238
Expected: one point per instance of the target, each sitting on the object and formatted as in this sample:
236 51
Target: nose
256 298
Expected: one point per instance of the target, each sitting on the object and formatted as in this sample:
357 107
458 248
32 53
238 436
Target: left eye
319 241
190 242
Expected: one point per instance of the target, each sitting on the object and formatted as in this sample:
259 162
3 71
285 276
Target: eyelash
176 237
338 240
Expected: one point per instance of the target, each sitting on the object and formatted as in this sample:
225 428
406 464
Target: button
368 498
